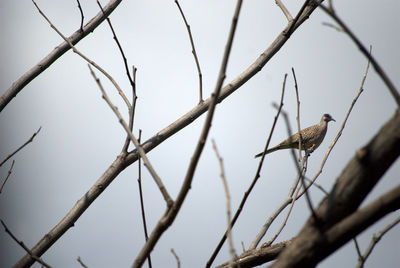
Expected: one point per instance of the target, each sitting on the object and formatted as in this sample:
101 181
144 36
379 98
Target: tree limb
36 70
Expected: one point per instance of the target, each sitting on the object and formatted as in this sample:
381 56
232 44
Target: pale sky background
80 135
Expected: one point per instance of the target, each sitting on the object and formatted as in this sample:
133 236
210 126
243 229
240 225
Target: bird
311 137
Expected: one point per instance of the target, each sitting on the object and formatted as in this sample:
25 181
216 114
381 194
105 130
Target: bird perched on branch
311 137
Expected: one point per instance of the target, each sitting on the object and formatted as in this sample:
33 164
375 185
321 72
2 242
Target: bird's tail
267 152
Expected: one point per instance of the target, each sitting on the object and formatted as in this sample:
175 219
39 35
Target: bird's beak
333 119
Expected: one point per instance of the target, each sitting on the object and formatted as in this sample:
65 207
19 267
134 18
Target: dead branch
178 262
22 146
75 50
33 256
393 90
123 160
193 52
82 17
170 215
142 153
228 203
253 183
36 70
358 178
81 262
8 175
374 241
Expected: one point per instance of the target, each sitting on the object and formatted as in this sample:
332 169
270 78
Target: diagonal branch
22 146
123 160
142 153
253 183
170 215
36 70
36 258
75 50
393 90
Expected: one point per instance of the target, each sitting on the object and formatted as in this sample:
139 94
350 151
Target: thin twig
8 175
75 50
193 52
333 26
360 90
170 215
253 183
304 164
393 90
289 200
82 17
228 203
81 262
22 146
374 241
119 47
142 153
131 110
139 180
39 260
131 79
284 10
178 262
296 19
357 249
55 54
298 114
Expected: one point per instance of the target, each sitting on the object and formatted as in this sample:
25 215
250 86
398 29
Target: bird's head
327 118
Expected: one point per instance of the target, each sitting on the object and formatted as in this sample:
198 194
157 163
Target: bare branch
333 26
75 50
393 90
360 90
123 160
36 70
194 52
8 175
22 146
304 163
253 183
358 178
374 241
119 47
258 256
36 258
142 153
176 257
298 114
357 248
170 215
131 110
139 180
284 10
228 203
292 24
82 17
81 262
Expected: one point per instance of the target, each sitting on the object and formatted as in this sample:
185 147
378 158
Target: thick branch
124 160
356 181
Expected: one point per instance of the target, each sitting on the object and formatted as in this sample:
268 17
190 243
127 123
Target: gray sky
80 136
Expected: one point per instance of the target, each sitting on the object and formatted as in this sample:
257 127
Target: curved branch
36 70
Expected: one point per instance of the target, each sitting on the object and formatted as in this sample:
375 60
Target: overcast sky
80 135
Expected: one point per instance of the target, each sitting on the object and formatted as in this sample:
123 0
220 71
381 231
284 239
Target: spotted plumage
311 137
